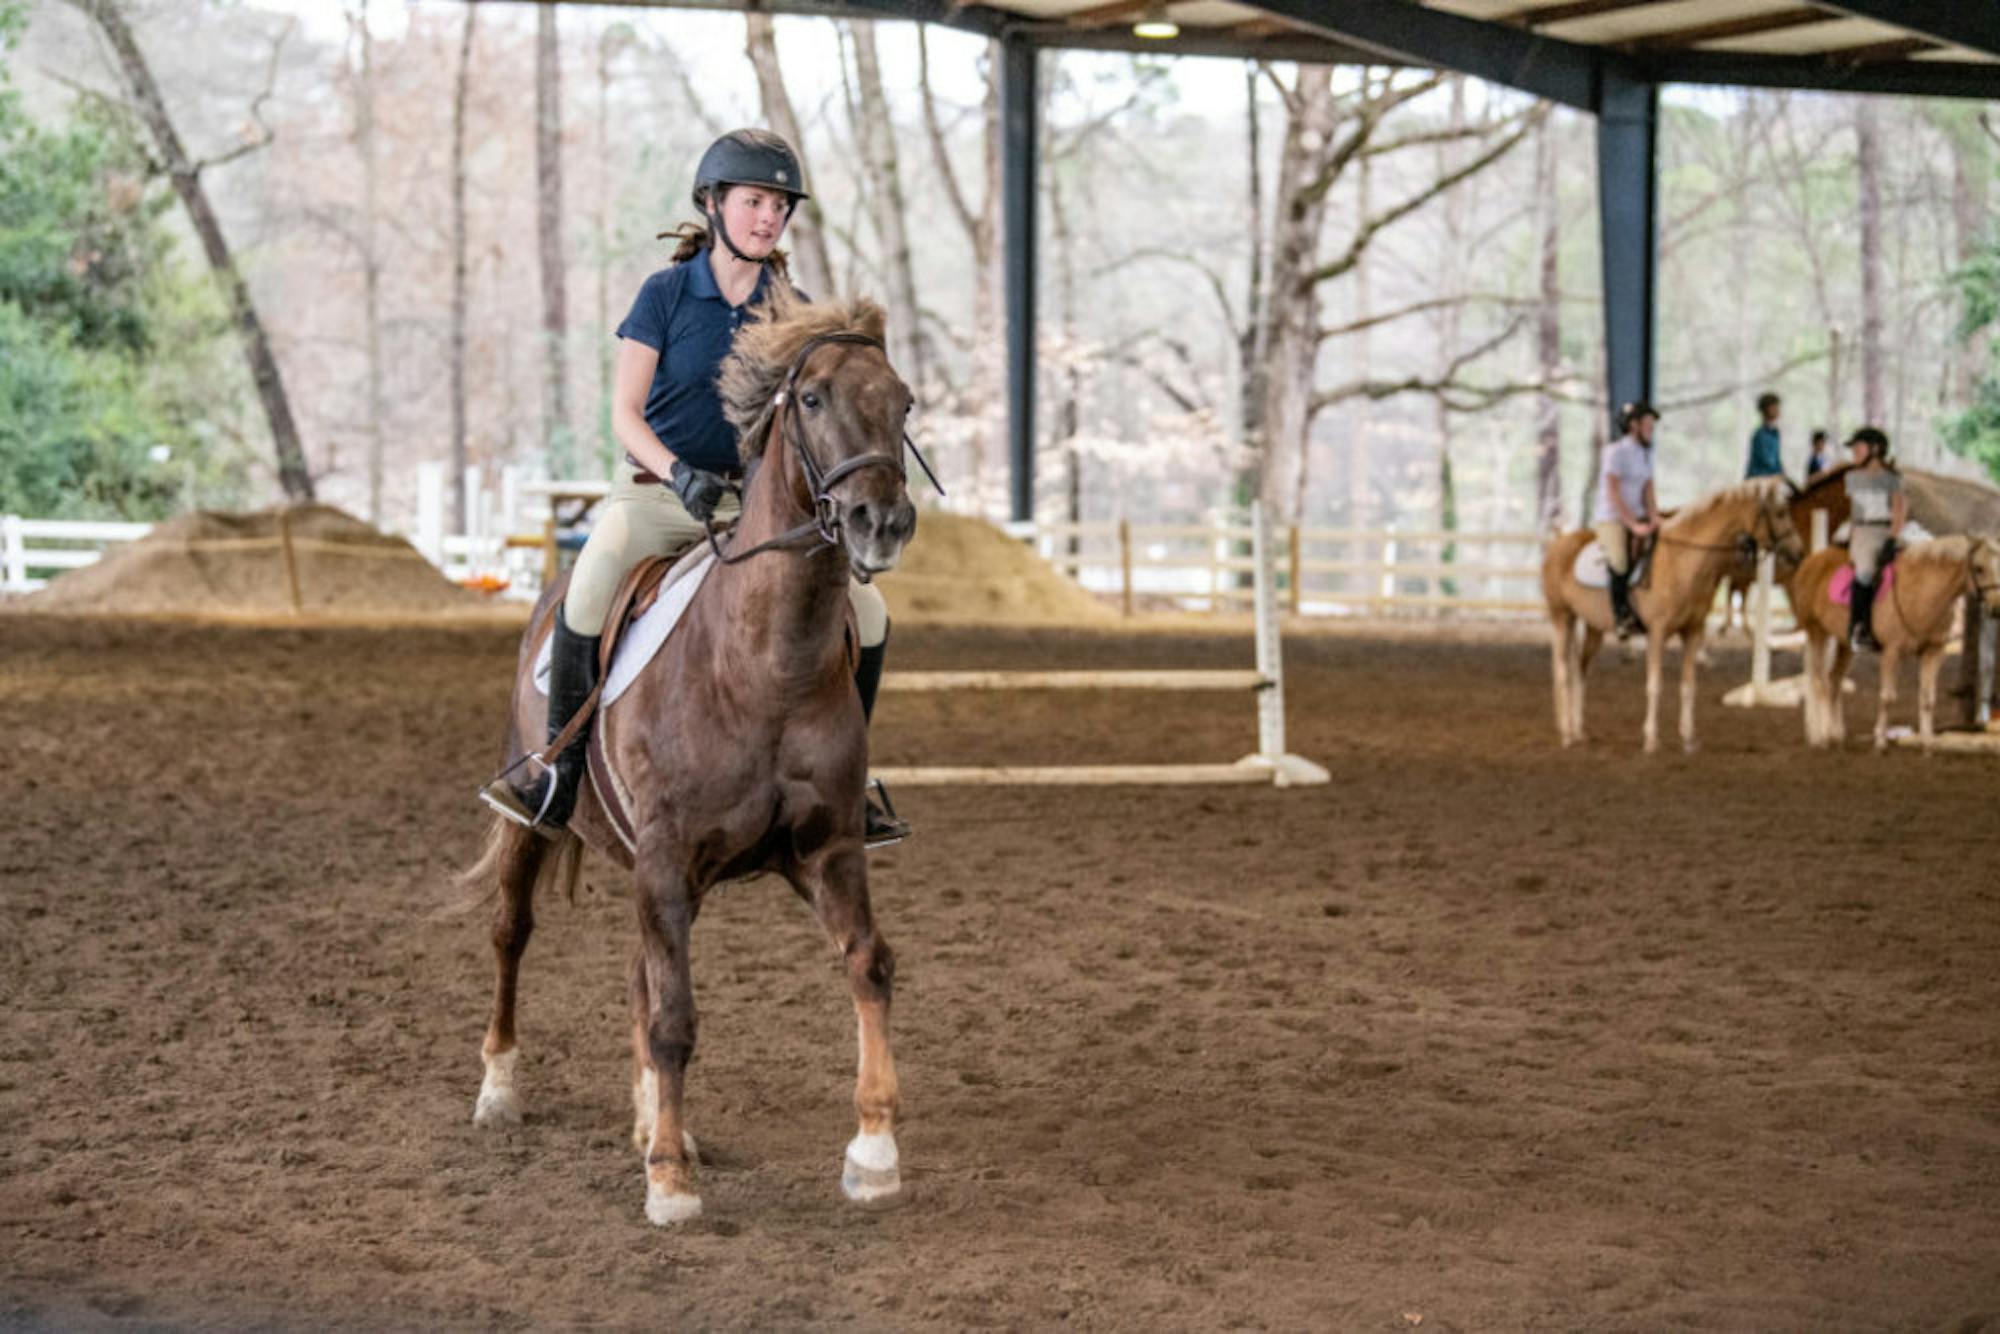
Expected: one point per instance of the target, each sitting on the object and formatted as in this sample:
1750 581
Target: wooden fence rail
1320 570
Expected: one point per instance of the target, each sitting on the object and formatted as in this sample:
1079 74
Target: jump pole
1271 764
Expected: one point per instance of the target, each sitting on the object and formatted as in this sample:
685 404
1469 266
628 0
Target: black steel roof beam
1901 78
1562 72
1974 24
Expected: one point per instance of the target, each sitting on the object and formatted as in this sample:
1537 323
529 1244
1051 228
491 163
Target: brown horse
1913 615
742 743
1826 491
1694 551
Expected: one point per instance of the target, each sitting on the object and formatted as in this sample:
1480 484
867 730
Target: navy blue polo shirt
681 314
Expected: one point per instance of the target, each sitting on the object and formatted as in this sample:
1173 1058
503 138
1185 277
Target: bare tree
1868 163
459 459
909 344
1548 334
185 175
371 258
557 433
808 243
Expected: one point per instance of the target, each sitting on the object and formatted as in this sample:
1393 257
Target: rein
825 521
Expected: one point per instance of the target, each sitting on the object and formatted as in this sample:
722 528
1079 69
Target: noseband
825 522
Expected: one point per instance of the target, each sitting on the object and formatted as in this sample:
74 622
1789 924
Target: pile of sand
961 569
304 558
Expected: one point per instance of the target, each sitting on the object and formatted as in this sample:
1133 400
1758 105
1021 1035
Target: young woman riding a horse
681 471
1912 616
741 746
1694 550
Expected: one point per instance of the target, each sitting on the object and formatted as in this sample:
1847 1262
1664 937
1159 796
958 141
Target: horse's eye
811 401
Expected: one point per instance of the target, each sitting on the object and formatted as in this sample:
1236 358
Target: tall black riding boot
1861 616
880 824
548 797
1626 622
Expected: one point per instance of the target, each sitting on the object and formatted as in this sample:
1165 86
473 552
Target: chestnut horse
742 742
1826 491
1913 615
1694 550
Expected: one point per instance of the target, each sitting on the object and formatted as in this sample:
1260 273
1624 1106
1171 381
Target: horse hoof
497 1109
871 1173
1690 747
665 1208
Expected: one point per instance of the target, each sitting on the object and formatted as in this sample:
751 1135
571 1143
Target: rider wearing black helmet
1626 510
681 468
1877 511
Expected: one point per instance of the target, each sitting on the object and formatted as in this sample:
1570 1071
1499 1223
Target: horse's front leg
1815 674
835 882
1927 679
1655 653
1583 655
1691 643
1560 635
1885 697
1836 688
663 984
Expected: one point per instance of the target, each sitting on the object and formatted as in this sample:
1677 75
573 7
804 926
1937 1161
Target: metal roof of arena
1558 49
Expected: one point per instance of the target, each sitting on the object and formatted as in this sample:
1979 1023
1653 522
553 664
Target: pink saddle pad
1840 589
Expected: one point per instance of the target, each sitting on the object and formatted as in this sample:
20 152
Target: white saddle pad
642 638
1590 569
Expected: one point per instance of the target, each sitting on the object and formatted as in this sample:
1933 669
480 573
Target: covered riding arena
1483 1034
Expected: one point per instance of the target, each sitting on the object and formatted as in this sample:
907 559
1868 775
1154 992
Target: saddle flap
1840 588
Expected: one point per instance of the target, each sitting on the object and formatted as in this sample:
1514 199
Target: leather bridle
825 521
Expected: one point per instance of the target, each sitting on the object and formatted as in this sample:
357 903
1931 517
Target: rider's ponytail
691 238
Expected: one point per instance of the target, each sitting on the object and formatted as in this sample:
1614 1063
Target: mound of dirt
308 558
961 570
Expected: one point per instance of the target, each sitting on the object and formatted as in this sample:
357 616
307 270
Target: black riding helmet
1873 439
746 157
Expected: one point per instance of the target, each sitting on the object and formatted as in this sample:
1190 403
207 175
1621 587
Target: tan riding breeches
641 519
1616 541
1864 547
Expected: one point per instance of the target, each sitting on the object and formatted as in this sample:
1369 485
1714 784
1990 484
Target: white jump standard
1271 763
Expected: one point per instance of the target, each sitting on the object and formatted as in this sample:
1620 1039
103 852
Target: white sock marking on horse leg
664 1209
871 1172
498 1104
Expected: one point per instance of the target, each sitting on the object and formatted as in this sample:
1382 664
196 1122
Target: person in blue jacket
1765 460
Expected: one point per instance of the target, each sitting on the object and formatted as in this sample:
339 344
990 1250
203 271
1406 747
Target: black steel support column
1628 119
1018 103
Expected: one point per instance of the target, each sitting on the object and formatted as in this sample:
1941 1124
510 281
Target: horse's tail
511 849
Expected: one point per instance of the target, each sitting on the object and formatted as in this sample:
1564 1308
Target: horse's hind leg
836 884
666 988
1817 731
1579 672
515 858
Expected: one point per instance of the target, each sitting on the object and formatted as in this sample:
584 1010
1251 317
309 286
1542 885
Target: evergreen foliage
107 346
1975 433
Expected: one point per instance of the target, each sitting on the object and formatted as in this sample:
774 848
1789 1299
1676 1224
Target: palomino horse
1913 615
742 742
1694 551
1827 491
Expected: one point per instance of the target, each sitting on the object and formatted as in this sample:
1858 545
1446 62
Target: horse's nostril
862 516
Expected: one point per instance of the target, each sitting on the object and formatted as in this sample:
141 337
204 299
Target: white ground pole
1762 691
1270 764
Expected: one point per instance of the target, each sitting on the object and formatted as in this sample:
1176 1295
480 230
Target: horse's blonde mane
1953 550
778 327
1757 488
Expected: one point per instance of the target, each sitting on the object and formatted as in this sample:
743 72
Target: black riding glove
700 491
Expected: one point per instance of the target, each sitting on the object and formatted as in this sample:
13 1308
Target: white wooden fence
1321 571
33 550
